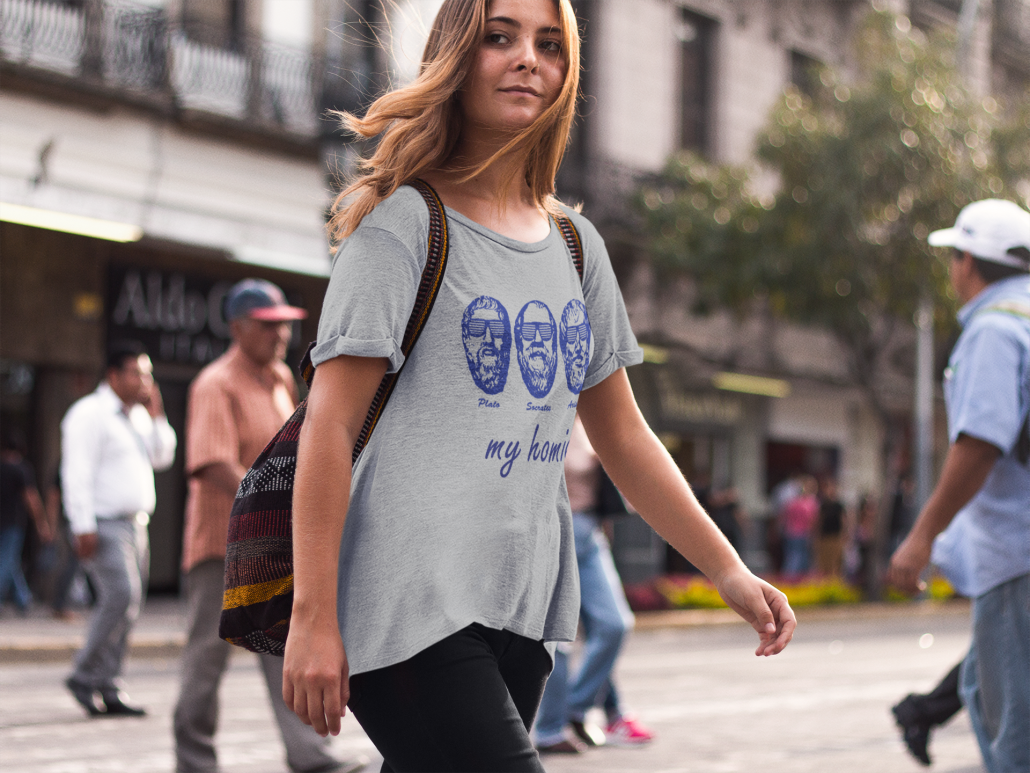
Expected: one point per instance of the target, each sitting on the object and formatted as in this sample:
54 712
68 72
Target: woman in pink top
799 517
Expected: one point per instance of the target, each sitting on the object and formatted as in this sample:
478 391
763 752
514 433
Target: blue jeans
11 540
606 619
797 555
995 680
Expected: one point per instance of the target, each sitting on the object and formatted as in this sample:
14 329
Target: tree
866 166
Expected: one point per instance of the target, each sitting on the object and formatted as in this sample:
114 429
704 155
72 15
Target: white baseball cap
988 229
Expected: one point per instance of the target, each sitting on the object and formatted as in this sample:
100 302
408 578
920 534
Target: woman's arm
645 473
315 673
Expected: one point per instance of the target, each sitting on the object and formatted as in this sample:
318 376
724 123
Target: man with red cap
236 404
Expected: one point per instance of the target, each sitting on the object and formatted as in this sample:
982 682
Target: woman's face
519 69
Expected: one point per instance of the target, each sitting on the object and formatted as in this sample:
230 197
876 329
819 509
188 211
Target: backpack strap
425 297
572 241
428 288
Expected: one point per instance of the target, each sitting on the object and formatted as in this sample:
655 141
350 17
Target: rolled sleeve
613 363
369 299
614 345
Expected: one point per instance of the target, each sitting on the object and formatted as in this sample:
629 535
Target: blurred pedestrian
986 474
606 619
68 568
918 714
865 540
831 529
112 440
19 502
236 404
430 576
725 510
799 519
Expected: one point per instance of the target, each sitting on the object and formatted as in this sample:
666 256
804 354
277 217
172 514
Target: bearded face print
486 334
537 347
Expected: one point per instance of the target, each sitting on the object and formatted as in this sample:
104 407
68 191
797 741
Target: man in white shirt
112 440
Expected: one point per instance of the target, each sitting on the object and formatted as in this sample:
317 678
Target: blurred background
764 174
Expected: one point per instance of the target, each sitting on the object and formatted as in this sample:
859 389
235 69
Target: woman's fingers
316 712
779 633
315 681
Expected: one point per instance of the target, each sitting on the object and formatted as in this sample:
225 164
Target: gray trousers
204 660
118 570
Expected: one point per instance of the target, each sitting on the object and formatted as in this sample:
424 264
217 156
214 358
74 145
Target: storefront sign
178 317
698 408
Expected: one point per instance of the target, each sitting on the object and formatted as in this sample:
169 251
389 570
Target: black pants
464 704
942 703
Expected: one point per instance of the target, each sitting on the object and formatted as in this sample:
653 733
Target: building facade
702 75
152 154
177 146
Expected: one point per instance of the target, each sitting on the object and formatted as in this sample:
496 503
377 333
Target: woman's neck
497 197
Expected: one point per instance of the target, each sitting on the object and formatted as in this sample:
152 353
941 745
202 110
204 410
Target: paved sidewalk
160 631
822 706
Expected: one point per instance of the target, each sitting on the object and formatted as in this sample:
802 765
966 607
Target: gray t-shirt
458 511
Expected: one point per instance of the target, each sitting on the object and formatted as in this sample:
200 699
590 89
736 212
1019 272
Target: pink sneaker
626 731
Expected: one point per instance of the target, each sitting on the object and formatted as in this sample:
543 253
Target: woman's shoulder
402 213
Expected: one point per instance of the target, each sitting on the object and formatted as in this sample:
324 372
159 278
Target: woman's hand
316 676
762 605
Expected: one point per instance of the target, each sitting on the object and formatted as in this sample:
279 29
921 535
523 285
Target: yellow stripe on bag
255 594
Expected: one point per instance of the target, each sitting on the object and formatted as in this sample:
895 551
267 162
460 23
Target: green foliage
867 167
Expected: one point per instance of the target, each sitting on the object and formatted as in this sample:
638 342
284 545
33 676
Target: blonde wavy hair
421 123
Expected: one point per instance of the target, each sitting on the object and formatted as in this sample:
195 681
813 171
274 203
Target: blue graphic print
574 337
537 347
486 334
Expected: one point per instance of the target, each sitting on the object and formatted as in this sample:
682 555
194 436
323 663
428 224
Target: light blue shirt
987 392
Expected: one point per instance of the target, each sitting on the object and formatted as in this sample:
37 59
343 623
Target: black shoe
915 729
116 706
589 734
86 696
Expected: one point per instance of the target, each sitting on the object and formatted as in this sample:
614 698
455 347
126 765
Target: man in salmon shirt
236 404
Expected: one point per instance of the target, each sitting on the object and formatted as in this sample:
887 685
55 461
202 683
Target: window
697 37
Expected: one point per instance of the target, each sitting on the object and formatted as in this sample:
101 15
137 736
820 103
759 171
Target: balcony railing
123 50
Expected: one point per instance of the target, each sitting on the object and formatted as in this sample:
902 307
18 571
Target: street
822 706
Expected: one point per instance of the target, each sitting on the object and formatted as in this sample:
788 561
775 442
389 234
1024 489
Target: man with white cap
236 404
986 475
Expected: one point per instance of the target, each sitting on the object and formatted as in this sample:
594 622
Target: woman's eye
551 46
497 38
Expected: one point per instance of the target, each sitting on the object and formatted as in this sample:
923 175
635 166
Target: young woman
433 579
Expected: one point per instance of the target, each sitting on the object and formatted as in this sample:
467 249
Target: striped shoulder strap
428 289
572 240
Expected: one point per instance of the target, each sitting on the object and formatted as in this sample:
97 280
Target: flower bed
691 591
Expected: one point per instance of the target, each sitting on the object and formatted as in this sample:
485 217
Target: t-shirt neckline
506 241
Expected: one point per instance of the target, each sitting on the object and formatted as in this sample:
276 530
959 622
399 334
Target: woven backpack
258 598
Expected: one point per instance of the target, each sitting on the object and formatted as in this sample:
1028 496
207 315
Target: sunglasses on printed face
530 330
576 333
477 327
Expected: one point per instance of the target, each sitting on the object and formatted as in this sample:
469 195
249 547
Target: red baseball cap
260 299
